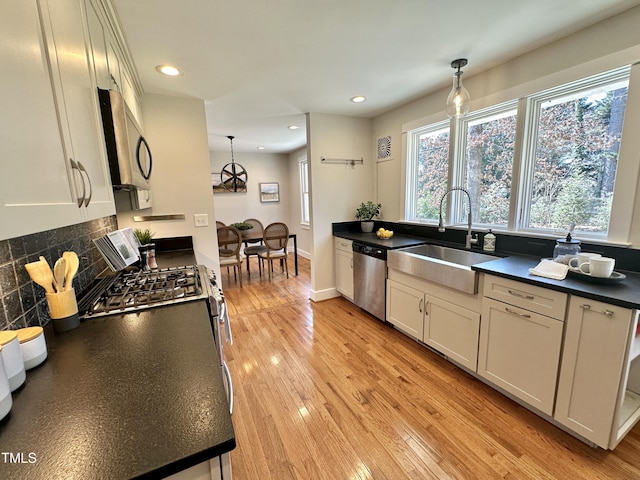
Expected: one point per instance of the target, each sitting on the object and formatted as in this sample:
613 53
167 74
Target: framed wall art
269 192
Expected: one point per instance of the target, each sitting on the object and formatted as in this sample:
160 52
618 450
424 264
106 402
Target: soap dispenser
566 249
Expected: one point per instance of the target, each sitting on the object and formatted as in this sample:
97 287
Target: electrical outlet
201 220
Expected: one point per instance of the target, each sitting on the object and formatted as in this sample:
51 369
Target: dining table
252 237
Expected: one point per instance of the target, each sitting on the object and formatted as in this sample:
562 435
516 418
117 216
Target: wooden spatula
41 273
72 268
59 271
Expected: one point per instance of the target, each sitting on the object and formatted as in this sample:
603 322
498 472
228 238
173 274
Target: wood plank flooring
326 391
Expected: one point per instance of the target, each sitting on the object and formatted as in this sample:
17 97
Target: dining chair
229 244
254 249
276 237
219 224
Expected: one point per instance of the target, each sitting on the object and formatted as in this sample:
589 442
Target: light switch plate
201 219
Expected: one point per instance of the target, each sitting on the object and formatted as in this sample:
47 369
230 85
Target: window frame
524 158
305 207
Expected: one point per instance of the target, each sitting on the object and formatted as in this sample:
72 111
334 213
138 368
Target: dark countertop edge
190 461
516 267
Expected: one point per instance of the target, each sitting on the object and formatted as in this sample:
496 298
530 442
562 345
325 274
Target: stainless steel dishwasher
369 277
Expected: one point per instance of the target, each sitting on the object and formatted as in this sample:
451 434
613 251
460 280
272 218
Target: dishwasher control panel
370 251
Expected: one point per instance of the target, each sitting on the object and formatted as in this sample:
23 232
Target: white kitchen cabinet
405 308
599 385
452 330
55 172
344 267
433 315
520 352
521 339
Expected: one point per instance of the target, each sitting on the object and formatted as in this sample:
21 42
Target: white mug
583 257
599 267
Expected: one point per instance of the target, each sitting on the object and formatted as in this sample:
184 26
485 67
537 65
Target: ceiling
260 65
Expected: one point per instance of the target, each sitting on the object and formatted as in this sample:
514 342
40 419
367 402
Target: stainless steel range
133 291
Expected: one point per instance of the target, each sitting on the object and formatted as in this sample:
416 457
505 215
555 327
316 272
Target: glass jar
566 249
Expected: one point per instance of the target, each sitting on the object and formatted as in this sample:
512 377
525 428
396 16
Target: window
576 135
431 150
303 167
489 141
546 163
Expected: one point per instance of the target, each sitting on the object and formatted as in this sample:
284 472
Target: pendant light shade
458 101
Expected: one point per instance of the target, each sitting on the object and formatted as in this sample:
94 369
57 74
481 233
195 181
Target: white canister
5 391
12 357
33 346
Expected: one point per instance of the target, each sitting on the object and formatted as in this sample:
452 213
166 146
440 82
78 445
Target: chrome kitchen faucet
470 239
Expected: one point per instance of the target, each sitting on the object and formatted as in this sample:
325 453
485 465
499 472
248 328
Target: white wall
336 190
175 128
606 45
260 168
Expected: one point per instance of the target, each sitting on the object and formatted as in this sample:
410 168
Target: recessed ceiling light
293 127
358 99
260 148
169 70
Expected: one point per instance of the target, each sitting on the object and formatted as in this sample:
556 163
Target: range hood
129 155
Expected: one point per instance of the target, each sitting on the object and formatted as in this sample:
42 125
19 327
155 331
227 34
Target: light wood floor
325 391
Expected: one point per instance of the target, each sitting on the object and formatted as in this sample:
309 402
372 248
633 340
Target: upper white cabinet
344 267
37 186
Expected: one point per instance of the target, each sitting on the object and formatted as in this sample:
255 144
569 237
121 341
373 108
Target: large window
546 163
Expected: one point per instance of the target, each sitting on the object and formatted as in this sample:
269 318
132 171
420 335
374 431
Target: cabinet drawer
343 244
535 299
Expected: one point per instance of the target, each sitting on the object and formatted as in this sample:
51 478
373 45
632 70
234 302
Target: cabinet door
593 359
520 352
452 330
405 308
344 273
98 46
77 98
35 177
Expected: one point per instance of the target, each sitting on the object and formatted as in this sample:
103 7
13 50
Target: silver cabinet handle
513 312
420 305
74 166
81 169
515 293
227 324
608 313
227 374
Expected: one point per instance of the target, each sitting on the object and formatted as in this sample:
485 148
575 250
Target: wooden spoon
59 270
72 268
40 273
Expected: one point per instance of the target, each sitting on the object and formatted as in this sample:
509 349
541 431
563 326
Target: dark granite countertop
624 294
124 396
397 241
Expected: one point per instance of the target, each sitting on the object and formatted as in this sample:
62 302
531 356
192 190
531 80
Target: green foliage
242 226
366 211
143 236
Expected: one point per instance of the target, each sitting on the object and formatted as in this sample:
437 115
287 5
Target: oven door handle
224 319
227 374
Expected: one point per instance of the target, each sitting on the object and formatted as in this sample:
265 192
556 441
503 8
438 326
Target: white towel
550 269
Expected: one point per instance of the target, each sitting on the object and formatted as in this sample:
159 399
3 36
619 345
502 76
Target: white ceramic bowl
33 346
12 358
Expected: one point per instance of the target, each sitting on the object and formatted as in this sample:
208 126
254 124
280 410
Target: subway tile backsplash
22 302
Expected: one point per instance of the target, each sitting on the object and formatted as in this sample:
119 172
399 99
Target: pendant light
233 176
458 101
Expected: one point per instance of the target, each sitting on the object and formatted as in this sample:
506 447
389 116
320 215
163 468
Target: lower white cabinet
218 468
344 267
444 326
520 352
405 308
599 386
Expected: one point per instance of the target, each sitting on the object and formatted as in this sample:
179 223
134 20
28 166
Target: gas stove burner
138 290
